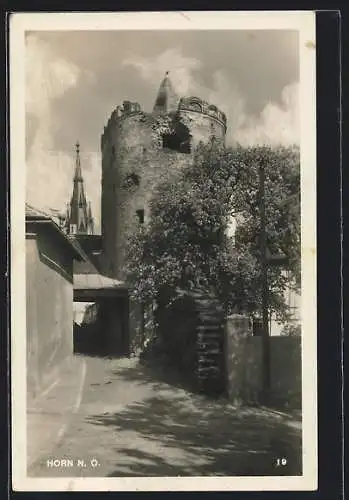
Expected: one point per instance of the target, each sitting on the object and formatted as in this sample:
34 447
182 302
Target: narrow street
120 419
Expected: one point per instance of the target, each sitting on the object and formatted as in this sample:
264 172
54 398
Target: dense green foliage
187 244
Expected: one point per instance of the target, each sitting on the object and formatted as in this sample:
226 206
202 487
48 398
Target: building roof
44 218
85 267
96 282
167 100
36 213
91 244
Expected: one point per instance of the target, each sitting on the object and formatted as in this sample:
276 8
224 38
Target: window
81 200
140 215
178 140
195 106
131 180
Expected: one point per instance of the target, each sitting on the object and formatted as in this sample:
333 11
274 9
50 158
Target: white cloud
50 173
181 68
277 124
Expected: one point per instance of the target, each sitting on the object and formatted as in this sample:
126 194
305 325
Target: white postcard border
302 21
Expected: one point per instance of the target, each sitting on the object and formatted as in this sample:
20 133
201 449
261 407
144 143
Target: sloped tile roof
43 217
36 213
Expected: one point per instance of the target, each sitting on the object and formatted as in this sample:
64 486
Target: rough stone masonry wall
204 120
192 330
202 127
210 345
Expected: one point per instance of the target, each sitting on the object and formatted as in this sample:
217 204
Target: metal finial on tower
78 174
167 73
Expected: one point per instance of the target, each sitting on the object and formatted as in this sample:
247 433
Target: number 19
281 461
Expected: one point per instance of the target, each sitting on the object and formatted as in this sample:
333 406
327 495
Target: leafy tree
282 211
187 244
292 329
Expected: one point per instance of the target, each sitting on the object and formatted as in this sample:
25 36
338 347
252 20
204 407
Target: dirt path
131 423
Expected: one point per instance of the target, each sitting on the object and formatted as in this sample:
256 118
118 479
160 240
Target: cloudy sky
75 79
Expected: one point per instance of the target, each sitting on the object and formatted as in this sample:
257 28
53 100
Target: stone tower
140 149
79 218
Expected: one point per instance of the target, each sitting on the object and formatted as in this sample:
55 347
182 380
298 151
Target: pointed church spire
79 215
167 99
78 173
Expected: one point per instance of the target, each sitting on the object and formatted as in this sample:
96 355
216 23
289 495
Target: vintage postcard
163 244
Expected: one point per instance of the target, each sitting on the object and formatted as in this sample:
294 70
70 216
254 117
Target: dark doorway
104 329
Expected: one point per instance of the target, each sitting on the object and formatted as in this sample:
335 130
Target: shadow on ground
157 374
175 433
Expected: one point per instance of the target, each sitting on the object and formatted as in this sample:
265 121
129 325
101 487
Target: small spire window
140 215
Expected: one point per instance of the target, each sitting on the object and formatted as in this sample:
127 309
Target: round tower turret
139 150
204 120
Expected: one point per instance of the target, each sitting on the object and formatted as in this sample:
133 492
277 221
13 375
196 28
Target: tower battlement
127 108
200 106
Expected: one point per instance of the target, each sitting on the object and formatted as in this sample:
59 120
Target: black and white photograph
163 175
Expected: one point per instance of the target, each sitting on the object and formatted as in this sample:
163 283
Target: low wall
286 370
243 355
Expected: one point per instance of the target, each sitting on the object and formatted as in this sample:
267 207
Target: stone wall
210 344
202 119
191 327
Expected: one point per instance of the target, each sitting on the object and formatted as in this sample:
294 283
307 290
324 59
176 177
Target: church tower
79 218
